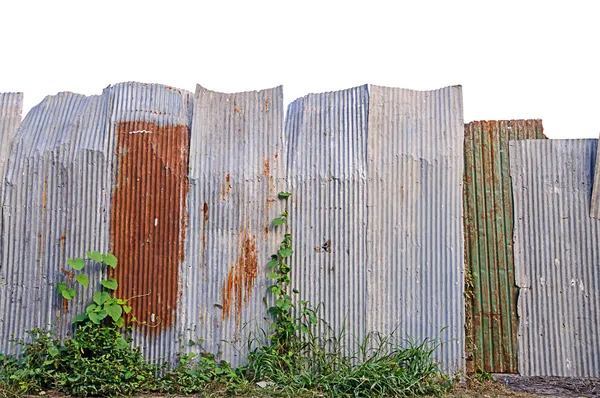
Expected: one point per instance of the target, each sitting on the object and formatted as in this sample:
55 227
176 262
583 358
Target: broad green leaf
122 343
95 256
284 195
76 263
273 275
80 318
53 351
114 310
110 260
105 297
285 252
121 301
110 284
272 263
280 304
275 289
91 308
102 314
94 317
68 294
278 221
60 287
127 309
133 319
97 298
119 322
83 280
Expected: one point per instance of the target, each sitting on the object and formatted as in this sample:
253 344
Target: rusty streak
237 288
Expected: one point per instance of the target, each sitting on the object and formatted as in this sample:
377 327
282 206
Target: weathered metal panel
150 124
557 257
55 206
415 255
491 293
595 201
237 167
11 107
327 161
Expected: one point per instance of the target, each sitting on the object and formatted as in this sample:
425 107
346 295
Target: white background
514 59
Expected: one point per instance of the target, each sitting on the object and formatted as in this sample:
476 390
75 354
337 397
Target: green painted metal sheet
490 289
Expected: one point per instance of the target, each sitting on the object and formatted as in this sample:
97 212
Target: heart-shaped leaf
102 314
91 308
119 322
76 263
80 318
60 287
278 221
114 310
95 256
110 260
127 309
94 317
284 195
110 284
285 252
83 280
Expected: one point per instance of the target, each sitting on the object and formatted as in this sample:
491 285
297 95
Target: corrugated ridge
11 107
595 200
415 260
150 124
556 257
327 150
52 212
237 167
491 292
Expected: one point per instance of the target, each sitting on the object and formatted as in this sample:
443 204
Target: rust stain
149 218
45 194
267 105
204 222
267 168
226 187
237 288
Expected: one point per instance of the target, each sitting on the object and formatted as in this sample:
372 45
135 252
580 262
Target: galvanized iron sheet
11 107
150 124
327 161
557 253
415 256
237 167
491 293
595 201
55 206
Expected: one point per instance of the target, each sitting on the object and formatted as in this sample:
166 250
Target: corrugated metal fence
491 292
183 189
557 257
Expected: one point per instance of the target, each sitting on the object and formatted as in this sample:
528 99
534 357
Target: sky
514 59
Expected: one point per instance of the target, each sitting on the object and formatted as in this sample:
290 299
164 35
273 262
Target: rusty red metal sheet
149 218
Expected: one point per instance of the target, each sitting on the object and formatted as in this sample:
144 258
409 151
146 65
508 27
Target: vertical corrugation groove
556 247
237 167
595 199
491 317
150 125
11 107
327 135
55 207
415 256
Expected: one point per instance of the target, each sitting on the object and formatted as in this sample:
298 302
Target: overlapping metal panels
491 292
237 167
55 206
557 257
377 212
150 124
327 171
